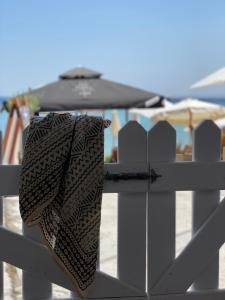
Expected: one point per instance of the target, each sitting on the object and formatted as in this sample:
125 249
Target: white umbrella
189 112
149 112
220 123
217 77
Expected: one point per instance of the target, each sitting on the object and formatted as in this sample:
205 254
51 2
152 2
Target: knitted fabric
61 186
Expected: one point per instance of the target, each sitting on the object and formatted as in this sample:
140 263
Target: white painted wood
134 166
196 257
130 185
36 258
167 279
122 298
179 176
1 222
206 147
106 287
9 178
161 206
132 146
134 186
34 287
189 176
193 295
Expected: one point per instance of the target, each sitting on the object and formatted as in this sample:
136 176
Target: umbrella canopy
220 123
150 112
189 112
81 88
217 77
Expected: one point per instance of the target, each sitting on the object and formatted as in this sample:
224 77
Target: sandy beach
108 248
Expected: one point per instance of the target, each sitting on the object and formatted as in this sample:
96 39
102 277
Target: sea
182 133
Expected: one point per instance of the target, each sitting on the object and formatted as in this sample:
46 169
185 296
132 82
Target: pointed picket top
206 141
162 142
160 235
132 125
207 124
133 137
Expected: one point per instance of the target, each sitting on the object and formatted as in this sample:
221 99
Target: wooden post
160 206
132 147
223 154
34 288
126 115
1 223
206 148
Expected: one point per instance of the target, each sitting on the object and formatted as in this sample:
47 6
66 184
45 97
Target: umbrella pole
190 124
114 142
136 117
126 115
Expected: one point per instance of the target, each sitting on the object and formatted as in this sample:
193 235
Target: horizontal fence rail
174 176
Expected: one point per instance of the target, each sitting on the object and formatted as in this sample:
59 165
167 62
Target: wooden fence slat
206 147
132 146
9 178
33 287
1 222
108 298
36 258
123 298
160 206
198 295
197 255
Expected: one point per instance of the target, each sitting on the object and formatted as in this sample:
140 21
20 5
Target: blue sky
159 45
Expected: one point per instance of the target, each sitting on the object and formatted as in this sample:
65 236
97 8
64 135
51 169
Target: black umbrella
81 88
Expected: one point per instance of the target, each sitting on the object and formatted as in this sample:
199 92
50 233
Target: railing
147 264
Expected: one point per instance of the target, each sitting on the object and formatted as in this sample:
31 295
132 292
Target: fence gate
146 179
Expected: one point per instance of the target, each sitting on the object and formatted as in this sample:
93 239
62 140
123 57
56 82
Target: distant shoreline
219 100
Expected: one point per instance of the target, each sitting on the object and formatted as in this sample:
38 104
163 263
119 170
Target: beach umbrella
217 77
82 88
189 112
115 125
150 112
220 123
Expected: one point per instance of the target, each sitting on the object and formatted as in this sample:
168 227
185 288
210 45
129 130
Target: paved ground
108 240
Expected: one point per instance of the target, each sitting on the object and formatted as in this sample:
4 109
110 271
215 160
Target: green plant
33 102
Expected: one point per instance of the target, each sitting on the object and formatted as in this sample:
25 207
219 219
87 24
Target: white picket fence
147 266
